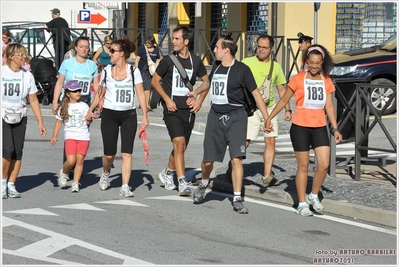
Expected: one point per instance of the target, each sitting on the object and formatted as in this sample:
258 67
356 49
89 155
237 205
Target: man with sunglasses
179 116
260 66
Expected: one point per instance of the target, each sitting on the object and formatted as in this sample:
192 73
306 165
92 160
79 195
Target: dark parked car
375 65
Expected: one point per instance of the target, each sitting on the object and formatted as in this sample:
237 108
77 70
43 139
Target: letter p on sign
84 15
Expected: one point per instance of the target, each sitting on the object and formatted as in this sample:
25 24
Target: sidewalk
372 199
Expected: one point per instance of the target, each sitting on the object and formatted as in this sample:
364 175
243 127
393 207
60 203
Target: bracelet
288 110
333 130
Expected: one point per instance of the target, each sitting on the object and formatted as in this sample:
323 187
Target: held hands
192 102
268 126
88 122
89 117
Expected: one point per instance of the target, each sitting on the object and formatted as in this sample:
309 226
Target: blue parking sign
84 15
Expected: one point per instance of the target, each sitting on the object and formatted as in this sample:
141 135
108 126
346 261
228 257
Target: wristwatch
333 130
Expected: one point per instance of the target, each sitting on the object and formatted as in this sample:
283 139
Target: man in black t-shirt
179 116
60 34
226 125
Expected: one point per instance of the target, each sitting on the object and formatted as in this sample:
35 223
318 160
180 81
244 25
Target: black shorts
179 123
225 130
111 120
14 139
304 138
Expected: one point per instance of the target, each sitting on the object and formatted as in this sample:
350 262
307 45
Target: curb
357 212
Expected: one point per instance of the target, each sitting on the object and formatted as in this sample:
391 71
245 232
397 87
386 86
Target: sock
312 196
205 182
3 181
169 171
302 204
125 185
236 195
10 184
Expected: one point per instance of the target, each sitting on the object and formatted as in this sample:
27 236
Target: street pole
316 8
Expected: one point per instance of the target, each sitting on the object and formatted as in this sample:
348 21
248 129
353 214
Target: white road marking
325 217
35 211
174 197
41 250
122 202
81 206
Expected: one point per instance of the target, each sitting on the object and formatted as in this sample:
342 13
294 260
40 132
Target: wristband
333 130
288 110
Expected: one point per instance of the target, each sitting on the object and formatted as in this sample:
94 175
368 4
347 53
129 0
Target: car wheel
379 96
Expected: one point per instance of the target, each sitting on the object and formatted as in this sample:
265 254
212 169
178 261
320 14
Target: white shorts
255 123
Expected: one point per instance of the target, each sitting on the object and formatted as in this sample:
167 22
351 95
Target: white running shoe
4 190
104 181
75 187
125 191
184 187
62 179
167 180
12 192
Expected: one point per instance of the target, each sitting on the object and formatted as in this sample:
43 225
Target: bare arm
34 103
142 101
280 105
57 91
196 103
96 55
136 62
96 100
56 130
156 84
260 103
288 113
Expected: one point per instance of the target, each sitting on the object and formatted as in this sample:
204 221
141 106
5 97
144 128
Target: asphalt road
50 225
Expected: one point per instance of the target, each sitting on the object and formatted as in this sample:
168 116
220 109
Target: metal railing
357 111
204 41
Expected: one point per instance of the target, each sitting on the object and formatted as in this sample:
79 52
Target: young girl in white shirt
72 113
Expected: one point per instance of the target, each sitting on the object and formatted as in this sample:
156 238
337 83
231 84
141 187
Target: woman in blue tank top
102 57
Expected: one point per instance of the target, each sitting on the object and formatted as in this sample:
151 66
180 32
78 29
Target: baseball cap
304 38
55 11
72 86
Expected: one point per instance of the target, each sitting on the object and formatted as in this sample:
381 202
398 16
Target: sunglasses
21 54
113 50
76 91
